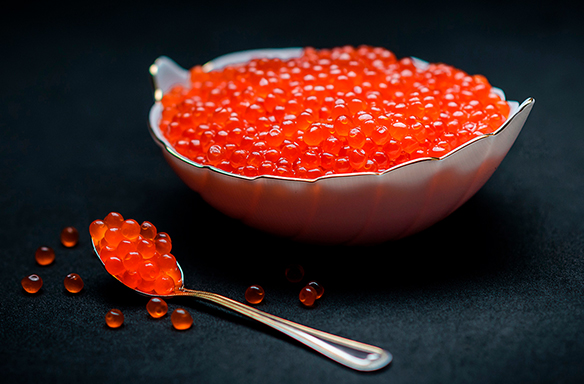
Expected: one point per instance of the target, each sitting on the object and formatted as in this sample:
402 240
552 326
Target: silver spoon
353 354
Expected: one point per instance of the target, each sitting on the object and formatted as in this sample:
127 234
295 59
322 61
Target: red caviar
114 318
254 294
32 283
73 283
136 254
181 319
308 296
69 237
330 111
317 287
157 307
44 255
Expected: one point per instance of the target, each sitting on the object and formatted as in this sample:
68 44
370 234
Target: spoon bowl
353 354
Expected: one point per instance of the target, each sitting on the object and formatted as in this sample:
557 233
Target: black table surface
491 294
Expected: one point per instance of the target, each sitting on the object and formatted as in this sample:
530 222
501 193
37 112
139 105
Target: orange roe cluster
136 254
330 111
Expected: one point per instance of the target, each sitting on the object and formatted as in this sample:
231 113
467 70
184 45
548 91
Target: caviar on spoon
128 251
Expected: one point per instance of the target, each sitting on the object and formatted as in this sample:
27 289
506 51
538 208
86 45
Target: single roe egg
181 319
69 236
114 318
73 283
32 283
307 296
254 294
157 307
44 255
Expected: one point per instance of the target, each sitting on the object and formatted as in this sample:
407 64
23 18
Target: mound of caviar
73 283
136 254
114 318
330 111
32 283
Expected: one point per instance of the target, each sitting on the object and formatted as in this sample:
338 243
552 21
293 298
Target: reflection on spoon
353 354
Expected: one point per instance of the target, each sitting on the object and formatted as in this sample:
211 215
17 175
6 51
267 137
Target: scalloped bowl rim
515 109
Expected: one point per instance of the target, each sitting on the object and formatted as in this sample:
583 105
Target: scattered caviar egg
73 283
181 319
114 318
237 117
317 287
44 255
294 273
32 283
307 296
254 294
69 236
157 307
136 254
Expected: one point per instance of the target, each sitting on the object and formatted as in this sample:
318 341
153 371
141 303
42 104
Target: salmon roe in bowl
348 145
328 111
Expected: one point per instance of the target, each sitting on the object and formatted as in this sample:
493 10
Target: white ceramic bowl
362 208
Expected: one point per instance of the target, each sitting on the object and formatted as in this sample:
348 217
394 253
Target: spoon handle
353 354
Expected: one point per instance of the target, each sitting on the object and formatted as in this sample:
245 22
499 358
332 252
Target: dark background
492 294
